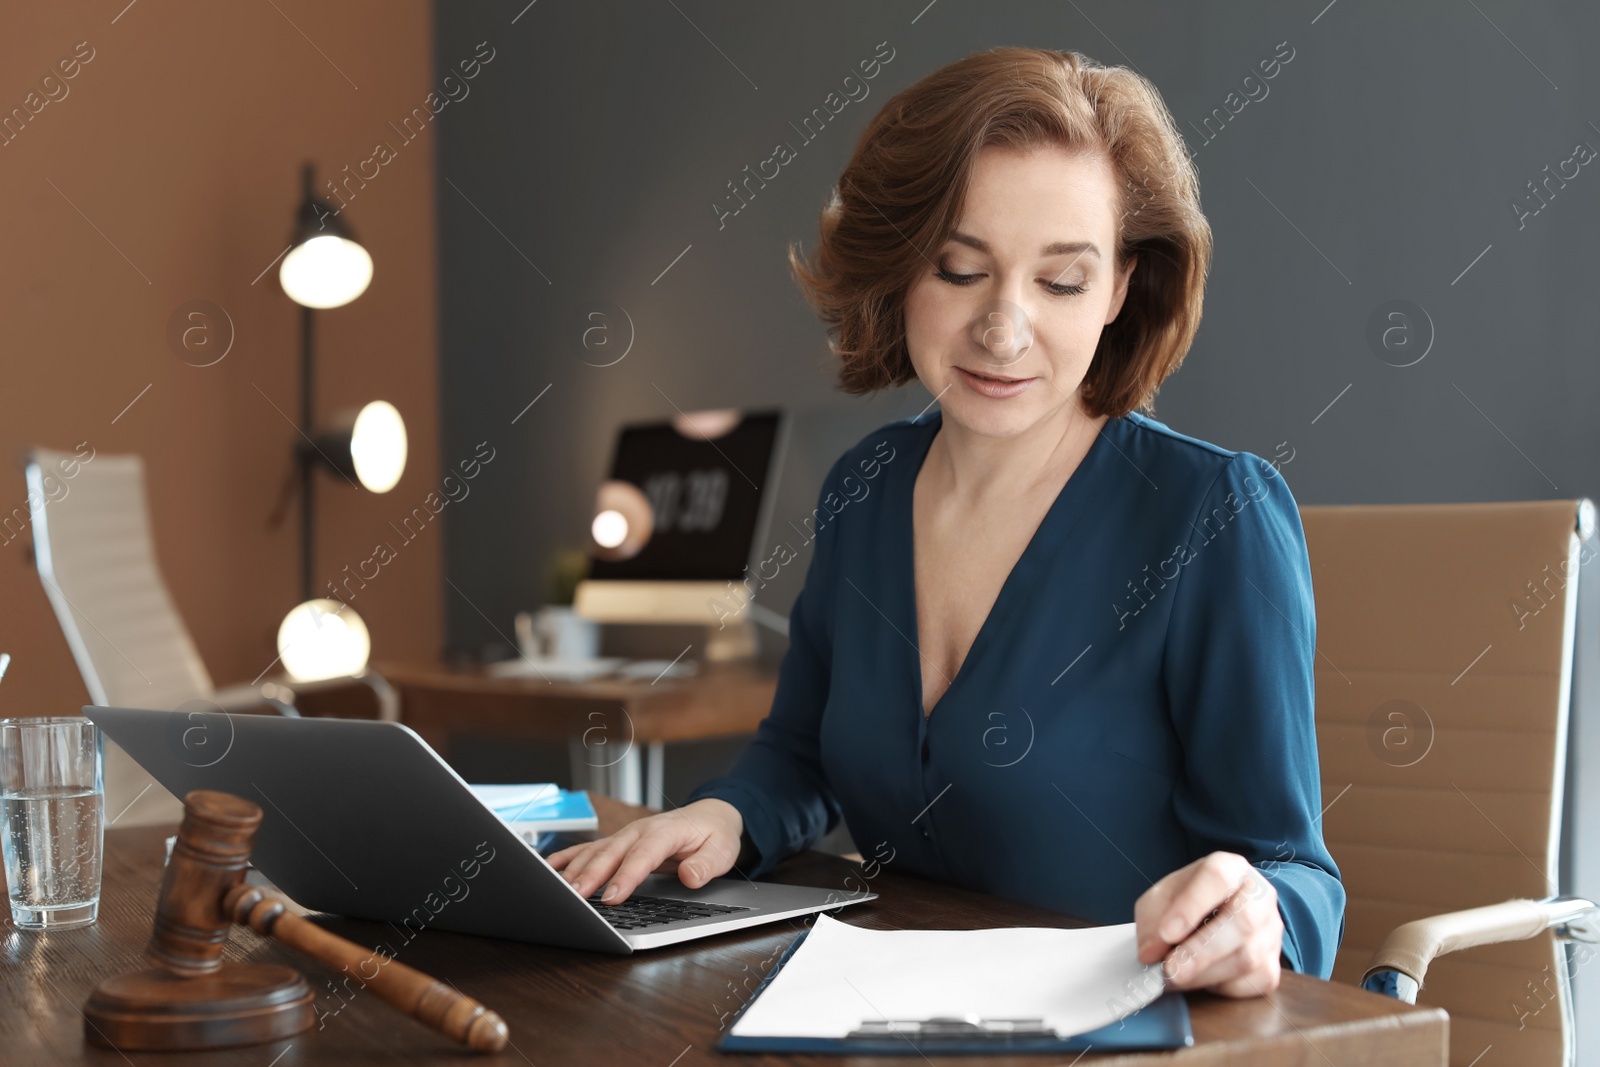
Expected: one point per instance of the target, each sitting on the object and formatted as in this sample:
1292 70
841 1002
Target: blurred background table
616 731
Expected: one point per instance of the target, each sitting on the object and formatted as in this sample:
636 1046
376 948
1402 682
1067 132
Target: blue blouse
1140 694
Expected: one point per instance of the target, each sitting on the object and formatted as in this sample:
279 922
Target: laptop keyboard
636 912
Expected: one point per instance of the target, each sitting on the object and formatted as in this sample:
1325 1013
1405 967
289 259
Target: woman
1021 233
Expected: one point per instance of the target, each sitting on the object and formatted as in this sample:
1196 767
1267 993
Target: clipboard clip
953 1026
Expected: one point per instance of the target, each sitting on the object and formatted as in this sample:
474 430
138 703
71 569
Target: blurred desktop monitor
677 575
705 482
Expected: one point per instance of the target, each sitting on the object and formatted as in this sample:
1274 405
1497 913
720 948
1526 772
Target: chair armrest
1409 949
388 700
244 697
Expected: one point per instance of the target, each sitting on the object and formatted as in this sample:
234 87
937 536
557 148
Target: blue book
543 807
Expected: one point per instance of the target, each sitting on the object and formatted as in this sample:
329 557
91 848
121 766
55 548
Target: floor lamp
324 268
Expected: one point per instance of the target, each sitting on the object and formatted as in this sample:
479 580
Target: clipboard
1161 1024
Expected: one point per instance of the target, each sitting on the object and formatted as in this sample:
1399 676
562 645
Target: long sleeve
1238 669
778 783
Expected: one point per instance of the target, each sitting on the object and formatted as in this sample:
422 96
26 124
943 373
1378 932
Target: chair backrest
1443 684
97 561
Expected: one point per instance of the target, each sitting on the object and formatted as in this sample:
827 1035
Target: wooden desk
616 730
662 1008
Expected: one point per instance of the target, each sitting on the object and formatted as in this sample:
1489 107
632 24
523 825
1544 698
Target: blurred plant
569 567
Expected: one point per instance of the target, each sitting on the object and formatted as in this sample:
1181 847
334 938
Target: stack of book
539 811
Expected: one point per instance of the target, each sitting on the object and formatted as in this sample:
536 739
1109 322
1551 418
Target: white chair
96 558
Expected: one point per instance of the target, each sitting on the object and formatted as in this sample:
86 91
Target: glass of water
51 820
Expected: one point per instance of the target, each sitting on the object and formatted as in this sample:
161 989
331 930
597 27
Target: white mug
558 632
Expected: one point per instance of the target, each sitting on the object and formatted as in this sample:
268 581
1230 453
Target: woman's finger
573 868
580 860
1201 958
1154 906
635 867
561 857
714 858
1244 937
1147 913
709 851
1211 882
594 866
670 835
1248 972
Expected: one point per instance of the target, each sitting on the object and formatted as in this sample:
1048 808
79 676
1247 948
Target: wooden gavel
192 999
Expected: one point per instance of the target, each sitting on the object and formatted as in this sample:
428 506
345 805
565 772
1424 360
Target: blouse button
926 836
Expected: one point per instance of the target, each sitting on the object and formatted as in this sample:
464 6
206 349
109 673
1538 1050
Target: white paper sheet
842 975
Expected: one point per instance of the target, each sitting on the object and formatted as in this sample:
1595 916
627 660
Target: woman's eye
967 279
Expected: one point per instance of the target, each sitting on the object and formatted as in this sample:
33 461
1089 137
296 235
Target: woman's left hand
1216 924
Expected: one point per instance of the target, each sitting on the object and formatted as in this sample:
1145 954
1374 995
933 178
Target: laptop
362 819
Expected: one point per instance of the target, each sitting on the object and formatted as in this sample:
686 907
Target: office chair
1444 682
96 559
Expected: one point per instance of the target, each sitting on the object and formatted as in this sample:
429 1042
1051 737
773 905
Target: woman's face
1003 323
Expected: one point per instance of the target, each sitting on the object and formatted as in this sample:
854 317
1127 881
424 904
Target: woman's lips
994 388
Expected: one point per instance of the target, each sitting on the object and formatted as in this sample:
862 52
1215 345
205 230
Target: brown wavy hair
901 195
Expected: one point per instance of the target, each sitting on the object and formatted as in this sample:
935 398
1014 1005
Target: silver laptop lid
361 818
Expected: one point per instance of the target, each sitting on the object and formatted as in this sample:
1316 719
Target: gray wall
1382 163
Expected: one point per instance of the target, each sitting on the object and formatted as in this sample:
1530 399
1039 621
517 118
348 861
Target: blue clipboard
1161 1024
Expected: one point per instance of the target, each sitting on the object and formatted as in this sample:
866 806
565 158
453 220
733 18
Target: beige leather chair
1444 675
96 558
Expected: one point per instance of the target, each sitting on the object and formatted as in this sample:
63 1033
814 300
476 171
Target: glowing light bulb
378 446
325 272
323 639
610 528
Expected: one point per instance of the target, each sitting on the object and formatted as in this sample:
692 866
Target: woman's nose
1003 329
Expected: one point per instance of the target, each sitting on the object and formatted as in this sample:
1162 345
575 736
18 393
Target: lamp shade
323 639
326 267
325 271
368 445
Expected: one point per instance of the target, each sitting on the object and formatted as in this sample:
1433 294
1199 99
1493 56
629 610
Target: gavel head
210 857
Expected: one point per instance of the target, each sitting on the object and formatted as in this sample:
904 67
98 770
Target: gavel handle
430 1002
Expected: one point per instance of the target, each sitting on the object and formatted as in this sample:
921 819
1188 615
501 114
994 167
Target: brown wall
179 145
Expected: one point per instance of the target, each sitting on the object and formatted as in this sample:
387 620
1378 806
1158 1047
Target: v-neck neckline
1051 531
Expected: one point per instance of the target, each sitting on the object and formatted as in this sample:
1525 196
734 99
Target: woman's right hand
701 840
